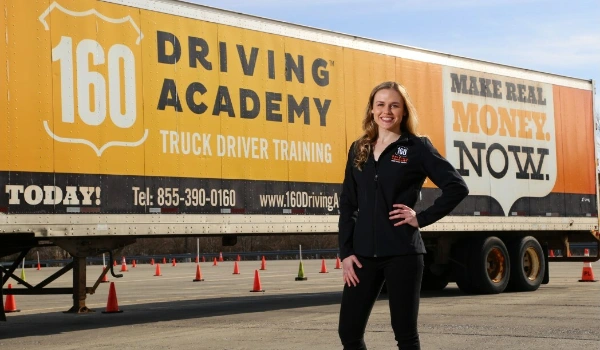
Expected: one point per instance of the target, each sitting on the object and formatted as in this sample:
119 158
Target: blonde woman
379 233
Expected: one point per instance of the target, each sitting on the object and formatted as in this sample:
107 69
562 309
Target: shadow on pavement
58 322
139 314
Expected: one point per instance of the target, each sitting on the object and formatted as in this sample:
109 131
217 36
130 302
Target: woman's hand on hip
348 269
405 214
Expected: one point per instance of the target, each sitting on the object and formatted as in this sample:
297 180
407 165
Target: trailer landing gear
79 248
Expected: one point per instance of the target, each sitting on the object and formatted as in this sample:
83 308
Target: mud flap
2 314
546 279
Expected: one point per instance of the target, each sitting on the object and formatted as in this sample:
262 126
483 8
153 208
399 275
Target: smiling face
388 110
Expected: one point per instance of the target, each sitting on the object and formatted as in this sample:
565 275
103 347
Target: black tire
432 281
460 253
528 265
489 265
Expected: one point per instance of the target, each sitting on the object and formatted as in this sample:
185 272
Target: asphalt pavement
173 312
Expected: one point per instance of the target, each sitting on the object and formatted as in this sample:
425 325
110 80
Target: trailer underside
18 245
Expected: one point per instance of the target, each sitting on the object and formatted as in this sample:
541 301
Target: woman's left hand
405 214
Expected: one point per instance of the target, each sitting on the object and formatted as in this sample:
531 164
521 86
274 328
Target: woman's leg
357 303
403 276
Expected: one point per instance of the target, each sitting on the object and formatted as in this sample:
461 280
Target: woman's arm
348 209
446 178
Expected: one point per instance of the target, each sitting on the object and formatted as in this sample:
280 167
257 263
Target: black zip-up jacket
396 178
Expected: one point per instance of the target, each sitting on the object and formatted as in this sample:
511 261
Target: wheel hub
496 265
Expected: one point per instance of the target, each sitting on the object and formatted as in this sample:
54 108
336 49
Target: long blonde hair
408 124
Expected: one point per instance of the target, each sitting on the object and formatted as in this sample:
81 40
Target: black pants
402 275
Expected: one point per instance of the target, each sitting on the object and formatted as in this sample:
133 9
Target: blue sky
556 36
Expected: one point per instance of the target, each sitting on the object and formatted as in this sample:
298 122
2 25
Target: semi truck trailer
126 119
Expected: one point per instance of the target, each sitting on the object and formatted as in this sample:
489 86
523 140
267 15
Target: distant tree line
208 245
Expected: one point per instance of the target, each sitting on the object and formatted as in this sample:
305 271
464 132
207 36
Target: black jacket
396 178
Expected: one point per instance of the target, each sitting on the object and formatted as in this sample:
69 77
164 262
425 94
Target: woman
379 234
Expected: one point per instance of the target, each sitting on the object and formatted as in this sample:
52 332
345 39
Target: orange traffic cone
203 258
105 278
115 263
164 260
238 258
236 269
157 273
323 267
112 306
152 261
123 266
174 262
551 255
10 305
38 266
198 274
197 259
133 263
586 252
257 287
337 263
587 275
263 264
220 257
215 262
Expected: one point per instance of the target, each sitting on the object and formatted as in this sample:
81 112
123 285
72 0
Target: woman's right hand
349 275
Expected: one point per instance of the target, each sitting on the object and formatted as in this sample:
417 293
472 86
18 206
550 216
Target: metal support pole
596 155
13 267
79 289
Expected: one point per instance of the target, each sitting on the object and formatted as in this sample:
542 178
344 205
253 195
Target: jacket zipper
376 195
375 211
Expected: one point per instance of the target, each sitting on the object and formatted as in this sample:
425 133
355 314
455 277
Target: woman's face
388 110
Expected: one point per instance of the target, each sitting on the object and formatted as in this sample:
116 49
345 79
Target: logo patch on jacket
401 155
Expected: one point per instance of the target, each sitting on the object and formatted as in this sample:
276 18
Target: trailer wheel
527 264
489 265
